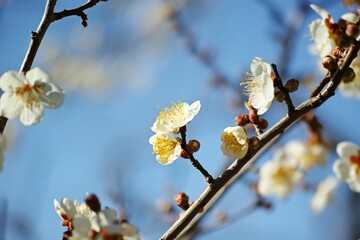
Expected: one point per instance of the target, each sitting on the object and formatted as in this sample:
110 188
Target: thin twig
49 17
193 161
279 84
265 138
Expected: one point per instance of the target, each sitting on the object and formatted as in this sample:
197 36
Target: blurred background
134 57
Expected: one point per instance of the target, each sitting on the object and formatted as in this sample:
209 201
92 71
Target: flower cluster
329 35
87 221
25 96
169 121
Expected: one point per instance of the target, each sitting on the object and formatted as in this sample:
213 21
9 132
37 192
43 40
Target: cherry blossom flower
166 146
171 119
259 85
324 194
347 167
66 210
277 177
25 96
2 149
303 155
352 89
234 142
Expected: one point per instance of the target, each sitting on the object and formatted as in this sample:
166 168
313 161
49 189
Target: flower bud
182 200
254 117
292 85
338 51
193 146
263 124
349 75
93 202
279 96
242 120
329 63
351 30
254 142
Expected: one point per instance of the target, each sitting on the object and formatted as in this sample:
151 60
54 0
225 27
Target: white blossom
65 209
166 146
347 167
324 194
352 89
277 177
234 142
259 85
25 96
171 119
304 155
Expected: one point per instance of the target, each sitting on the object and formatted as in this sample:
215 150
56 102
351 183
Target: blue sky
100 144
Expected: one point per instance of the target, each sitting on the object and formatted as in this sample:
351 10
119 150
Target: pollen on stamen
170 114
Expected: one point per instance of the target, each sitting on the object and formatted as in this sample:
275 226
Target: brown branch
279 84
36 37
192 159
266 138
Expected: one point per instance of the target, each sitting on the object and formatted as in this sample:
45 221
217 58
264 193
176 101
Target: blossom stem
49 17
278 83
236 169
194 162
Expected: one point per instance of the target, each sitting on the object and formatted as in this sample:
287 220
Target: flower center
173 114
355 159
282 174
29 94
164 147
231 142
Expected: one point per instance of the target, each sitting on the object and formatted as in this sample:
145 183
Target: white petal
37 74
350 17
11 80
341 169
53 96
322 12
32 115
355 185
10 105
82 226
346 149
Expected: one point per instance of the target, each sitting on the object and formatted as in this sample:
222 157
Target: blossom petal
322 12
341 169
346 149
37 74
32 115
11 80
10 105
53 95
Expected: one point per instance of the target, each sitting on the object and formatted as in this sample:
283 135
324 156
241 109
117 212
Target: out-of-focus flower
259 85
278 177
171 119
324 42
347 167
166 146
2 149
324 194
66 210
304 155
234 142
25 96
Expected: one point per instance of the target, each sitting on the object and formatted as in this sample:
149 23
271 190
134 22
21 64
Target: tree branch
265 139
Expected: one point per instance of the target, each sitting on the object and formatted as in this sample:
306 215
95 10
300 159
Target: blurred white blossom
277 177
352 89
171 119
25 96
166 146
324 194
347 167
259 85
234 142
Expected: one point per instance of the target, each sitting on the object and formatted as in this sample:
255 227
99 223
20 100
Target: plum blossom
259 85
352 89
303 155
171 119
234 142
347 167
166 146
324 194
25 96
278 177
